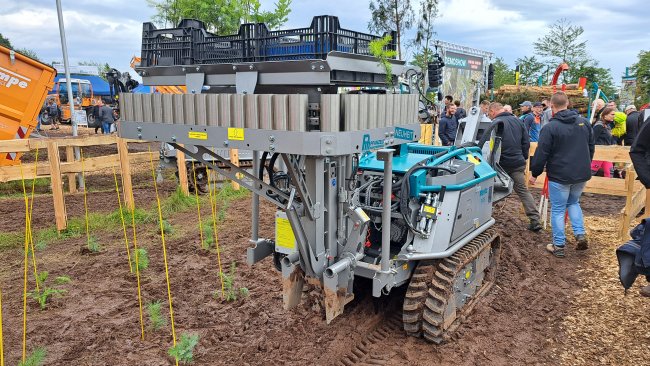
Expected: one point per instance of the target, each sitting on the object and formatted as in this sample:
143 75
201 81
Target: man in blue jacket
565 149
448 126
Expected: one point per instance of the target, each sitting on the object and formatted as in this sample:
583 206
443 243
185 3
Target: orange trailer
24 84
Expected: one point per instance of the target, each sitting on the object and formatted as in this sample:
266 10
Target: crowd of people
565 149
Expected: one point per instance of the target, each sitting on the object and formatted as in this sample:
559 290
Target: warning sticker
197 135
284 237
235 134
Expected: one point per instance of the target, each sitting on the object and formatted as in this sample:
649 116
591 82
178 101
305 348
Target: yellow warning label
405 266
235 133
468 274
197 135
473 159
284 234
429 209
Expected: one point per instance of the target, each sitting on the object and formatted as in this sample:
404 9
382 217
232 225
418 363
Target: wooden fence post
234 158
182 172
125 169
69 157
626 217
57 185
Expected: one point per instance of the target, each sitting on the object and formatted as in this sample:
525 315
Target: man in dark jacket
460 111
515 145
565 148
631 125
448 126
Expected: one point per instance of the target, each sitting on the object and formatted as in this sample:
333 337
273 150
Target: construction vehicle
24 83
82 92
355 197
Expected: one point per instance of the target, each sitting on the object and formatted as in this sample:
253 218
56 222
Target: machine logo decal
9 78
403 133
369 145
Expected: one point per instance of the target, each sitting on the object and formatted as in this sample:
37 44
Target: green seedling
231 292
93 245
40 245
167 228
156 320
44 293
183 351
36 358
177 202
143 260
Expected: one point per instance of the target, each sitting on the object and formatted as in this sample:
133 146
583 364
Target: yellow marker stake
83 180
2 350
137 270
126 238
198 204
31 210
162 237
27 226
213 206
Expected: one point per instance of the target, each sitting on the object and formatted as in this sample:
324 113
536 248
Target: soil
542 310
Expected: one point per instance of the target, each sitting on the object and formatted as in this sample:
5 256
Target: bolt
250 67
328 141
225 143
174 138
198 68
313 67
328 150
139 128
272 147
234 67
321 67
272 138
386 134
392 133
140 136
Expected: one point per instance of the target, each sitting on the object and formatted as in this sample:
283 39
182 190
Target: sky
110 30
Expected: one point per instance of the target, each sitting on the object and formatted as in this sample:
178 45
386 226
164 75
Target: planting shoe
555 250
581 242
534 226
645 291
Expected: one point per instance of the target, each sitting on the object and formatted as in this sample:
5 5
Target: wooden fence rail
55 169
636 196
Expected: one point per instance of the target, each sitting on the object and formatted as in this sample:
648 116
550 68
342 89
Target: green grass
140 215
177 202
11 240
93 245
16 186
36 358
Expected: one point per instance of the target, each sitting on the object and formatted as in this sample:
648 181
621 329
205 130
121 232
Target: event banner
461 75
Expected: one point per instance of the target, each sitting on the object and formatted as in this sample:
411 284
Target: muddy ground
542 311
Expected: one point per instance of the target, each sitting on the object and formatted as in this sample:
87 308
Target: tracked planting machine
355 196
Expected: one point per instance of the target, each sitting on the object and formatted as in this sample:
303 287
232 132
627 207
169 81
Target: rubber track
362 353
431 287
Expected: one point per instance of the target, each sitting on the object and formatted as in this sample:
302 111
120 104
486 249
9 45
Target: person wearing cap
533 121
547 113
525 108
631 125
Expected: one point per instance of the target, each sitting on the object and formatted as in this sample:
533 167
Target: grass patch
183 351
36 358
93 244
177 202
16 186
141 216
156 320
11 240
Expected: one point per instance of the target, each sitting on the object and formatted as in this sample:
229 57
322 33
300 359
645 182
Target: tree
220 16
593 72
503 74
27 52
529 70
562 44
642 71
391 15
5 41
425 33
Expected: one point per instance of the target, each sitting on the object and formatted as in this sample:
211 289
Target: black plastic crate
190 43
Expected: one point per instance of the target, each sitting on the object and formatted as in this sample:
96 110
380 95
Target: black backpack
634 256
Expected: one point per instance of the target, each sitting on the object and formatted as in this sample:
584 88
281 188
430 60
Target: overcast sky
110 30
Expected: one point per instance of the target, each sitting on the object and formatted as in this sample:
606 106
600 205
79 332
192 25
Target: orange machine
82 91
24 84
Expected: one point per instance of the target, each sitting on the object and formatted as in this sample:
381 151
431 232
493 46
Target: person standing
525 108
533 122
640 155
460 111
449 100
547 113
447 126
631 125
53 112
515 146
105 117
565 149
